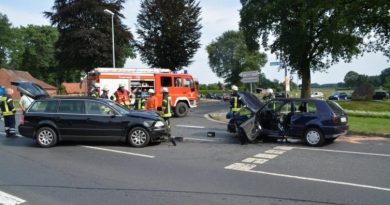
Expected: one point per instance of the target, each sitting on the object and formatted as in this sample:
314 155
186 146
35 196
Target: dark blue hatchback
313 120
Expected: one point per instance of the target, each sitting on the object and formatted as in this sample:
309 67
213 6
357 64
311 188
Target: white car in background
319 95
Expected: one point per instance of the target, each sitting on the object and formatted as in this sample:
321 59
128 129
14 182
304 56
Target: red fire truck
181 86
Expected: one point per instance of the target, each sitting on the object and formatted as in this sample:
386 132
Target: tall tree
85 34
169 32
311 35
384 74
33 51
5 39
229 56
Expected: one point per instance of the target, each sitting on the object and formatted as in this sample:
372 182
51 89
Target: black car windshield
118 107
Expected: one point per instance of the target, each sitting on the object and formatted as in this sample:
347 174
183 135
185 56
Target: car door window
311 107
98 108
44 106
71 106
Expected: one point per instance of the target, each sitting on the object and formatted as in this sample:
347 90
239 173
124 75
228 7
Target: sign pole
285 80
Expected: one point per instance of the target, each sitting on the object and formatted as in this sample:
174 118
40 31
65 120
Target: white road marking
286 148
191 126
120 152
241 166
8 199
255 160
346 152
273 151
317 180
266 156
197 139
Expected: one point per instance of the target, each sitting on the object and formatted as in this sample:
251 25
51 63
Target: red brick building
6 76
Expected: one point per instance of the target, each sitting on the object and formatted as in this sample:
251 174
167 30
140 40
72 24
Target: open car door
30 89
250 126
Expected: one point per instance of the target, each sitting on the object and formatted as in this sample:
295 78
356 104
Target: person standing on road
151 101
25 102
8 111
235 100
95 90
139 101
105 93
235 106
121 96
166 106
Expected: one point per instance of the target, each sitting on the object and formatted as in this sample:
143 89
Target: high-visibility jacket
95 93
151 103
122 97
139 104
7 106
235 103
166 107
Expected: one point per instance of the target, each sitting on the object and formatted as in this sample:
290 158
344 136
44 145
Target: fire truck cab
181 86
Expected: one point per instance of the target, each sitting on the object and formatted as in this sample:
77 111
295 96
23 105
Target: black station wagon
50 120
313 120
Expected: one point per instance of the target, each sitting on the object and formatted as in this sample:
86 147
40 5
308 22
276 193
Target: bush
364 92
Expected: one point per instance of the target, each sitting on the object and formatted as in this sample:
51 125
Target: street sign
275 63
249 74
250 80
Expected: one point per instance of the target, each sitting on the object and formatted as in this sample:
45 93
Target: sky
217 17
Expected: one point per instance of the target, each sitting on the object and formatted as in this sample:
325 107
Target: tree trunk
306 81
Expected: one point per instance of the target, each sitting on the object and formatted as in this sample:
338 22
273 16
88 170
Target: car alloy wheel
139 137
46 137
314 137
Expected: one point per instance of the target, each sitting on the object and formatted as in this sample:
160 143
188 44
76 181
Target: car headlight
159 124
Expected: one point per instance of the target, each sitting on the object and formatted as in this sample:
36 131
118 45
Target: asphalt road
200 170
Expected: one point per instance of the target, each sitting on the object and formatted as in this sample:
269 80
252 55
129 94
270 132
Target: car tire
46 137
181 109
314 137
138 137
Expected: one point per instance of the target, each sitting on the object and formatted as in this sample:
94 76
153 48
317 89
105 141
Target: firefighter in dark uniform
166 106
235 106
140 101
8 111
95 90
104 95
235 100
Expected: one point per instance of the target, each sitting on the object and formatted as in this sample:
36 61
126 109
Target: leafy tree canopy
85 34
5 39
169 32
311 35
229 56
33 51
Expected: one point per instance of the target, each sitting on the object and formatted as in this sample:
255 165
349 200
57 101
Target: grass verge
373 106
369 126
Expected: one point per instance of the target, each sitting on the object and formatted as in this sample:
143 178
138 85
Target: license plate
343 119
